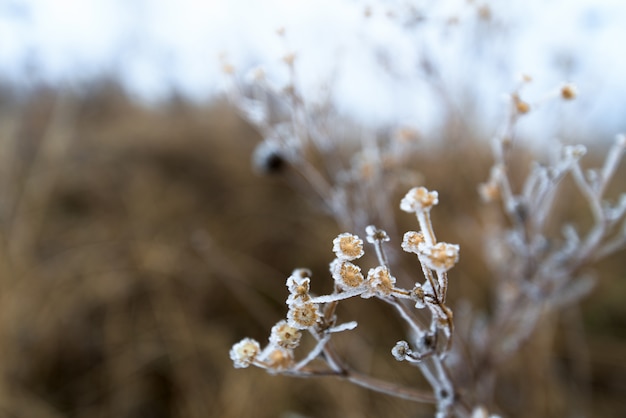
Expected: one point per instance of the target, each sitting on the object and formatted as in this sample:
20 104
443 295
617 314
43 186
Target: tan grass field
138 245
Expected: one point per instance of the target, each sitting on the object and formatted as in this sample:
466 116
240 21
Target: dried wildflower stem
414 323
611 163
442 278
592 197
373 383
423 218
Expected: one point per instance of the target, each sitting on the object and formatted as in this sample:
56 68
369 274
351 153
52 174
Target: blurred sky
373 63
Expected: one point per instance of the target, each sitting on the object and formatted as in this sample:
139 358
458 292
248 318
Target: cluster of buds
315 314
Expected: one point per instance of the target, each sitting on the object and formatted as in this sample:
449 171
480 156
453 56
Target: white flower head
244 352
348 246
419 199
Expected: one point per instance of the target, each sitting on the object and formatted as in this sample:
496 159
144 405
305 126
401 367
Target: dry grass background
138 246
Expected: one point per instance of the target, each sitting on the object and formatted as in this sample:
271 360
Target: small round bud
375 235
303 315
279 359
380 282
284 335
568 92
401 350
348 247
520 106
346 275
412 241
289 58
419 199
441 256
244 352
418 296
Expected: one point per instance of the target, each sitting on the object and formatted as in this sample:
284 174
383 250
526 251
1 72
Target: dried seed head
574 151
380 281
348 247
375 235
279 359
520 106
303 315
418 295
299 284
244 352
419 199
284 335
489 191
346 275
484 12
228 68
441 256
401 350
407 135
289 58
412 241
569 92
526 78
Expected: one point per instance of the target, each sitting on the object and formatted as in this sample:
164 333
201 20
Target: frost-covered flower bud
418 296
441 256
380 282
419 199
574 151
279 359
299 284
375 235
521 106
346 275
303 315
401 350
284 335
348 247
412 241
569 92
244 352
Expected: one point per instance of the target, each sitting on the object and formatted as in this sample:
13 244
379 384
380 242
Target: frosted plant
308 137
533 273
316 314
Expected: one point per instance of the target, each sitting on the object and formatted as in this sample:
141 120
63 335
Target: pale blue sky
158 45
